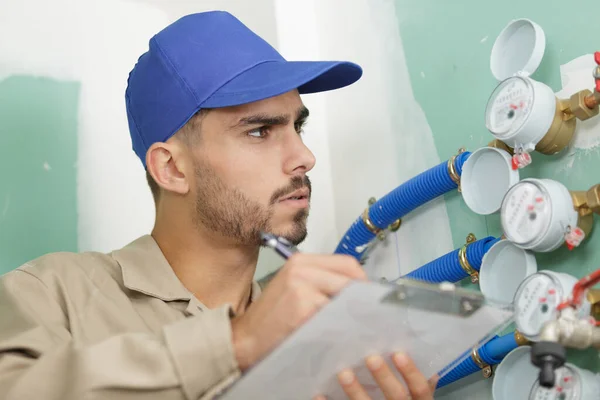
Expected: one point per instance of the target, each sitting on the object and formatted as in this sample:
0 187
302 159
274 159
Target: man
215 117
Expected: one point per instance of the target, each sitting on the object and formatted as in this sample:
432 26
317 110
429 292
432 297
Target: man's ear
165 162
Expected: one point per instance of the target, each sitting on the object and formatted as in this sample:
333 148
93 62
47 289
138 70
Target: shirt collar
145 269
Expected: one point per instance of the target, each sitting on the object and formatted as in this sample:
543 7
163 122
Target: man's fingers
433 381
417 383
339 263
391 387
351 386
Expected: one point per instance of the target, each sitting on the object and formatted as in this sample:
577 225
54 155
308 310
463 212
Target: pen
282 246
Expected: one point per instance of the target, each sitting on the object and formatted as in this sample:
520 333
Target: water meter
537 298
516 378
542 214
523 113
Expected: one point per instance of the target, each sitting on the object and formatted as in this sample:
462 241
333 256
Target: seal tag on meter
486 177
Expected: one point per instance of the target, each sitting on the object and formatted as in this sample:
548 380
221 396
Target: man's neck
213 269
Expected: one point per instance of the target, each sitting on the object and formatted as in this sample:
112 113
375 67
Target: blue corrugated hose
396 204
447 268
491 353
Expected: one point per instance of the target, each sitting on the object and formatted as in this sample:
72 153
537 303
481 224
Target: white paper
357 324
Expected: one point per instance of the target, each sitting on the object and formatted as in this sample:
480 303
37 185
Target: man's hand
303 285
418 387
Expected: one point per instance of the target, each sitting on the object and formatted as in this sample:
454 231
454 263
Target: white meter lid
519 49
515 376
486 177
503 268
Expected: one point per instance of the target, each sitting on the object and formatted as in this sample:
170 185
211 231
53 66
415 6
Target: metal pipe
571 332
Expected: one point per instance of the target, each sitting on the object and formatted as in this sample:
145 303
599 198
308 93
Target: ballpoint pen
281 245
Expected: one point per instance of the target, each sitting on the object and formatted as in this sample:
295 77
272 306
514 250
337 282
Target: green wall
448 60
38 187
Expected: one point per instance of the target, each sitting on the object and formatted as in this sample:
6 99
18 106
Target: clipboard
434 324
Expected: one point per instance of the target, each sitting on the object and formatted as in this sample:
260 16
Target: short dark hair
189 134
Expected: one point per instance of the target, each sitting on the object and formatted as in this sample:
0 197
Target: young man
215 117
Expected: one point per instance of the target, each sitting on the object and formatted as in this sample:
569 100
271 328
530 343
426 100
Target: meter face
525 213
535 303
567 387
509 106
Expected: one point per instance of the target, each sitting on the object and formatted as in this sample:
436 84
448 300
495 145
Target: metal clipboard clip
443 298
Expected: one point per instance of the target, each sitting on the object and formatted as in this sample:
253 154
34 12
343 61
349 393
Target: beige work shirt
110 326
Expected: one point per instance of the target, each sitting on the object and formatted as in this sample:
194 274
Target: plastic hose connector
465 368
448 269
494 351
355 240
415 192
402 200
491 353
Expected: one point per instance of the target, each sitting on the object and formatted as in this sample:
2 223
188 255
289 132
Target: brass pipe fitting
370 225
592 101
520 339
561 131
486 369
586 203
499 144
579 104
394 226
453 173
464 261
452 169
593 296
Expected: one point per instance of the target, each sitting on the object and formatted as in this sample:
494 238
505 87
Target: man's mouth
299 194
297 199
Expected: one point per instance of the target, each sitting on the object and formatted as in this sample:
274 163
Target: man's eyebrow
266 119
262 119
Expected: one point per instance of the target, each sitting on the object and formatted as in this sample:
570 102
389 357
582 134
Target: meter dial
525 213
535 303
509 106
567 387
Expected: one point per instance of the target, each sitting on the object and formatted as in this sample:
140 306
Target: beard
229 213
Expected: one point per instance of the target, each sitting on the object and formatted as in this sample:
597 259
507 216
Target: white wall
376 119
97 44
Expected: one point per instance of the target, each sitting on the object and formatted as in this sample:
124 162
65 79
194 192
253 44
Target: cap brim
273 78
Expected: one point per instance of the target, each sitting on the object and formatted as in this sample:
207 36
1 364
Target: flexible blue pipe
405 198
491 353
447 268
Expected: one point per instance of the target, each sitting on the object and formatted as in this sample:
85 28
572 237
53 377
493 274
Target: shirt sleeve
192 359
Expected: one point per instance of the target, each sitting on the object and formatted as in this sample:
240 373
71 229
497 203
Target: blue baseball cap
212 60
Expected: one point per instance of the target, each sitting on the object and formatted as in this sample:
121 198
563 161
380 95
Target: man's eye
259 132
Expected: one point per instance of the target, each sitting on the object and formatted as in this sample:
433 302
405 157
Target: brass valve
499 144
586 203
582 105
